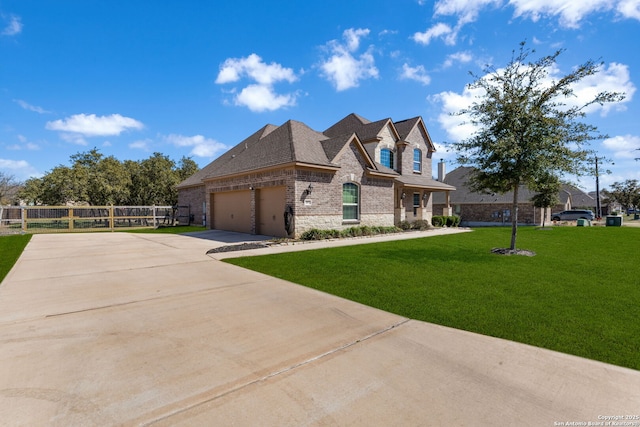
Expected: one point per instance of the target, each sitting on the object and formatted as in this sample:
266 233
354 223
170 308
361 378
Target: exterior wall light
308 190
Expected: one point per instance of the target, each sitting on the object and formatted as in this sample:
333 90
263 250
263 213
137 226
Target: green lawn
10 249
580 294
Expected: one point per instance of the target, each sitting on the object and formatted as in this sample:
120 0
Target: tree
547 187
626 193
525 128
9 187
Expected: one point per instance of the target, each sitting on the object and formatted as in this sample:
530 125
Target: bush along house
284 180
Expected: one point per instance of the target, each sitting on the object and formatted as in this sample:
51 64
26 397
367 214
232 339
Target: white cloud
25 144
202 147
141 144
623 146
614 78
569 13
30 107
461 57
233 69
20 169
343 69
438 30
260 96
466 11
13 27
418 74
92 125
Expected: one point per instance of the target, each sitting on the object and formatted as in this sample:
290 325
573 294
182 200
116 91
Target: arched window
386 158
350 202
417 160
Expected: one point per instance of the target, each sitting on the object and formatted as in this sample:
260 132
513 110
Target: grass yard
10 249
579 295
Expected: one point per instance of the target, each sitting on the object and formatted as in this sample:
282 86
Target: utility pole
598 207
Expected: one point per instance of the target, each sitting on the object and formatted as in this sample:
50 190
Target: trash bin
614 221
584 222
636 216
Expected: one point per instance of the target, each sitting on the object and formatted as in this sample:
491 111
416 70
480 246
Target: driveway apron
146 329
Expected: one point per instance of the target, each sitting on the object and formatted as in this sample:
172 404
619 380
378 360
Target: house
478 209
284 180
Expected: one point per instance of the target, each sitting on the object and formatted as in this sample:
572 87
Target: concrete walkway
145 329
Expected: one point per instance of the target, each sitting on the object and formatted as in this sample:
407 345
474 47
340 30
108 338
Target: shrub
404 225
317 234
445 220
420 224
437 220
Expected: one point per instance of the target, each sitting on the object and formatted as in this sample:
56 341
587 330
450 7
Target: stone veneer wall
322 208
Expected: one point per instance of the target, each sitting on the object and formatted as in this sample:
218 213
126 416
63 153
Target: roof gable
405 129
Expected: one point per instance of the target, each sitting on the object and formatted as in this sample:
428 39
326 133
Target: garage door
232 211
270 209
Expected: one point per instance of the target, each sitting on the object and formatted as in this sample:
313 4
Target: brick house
478 209
284 180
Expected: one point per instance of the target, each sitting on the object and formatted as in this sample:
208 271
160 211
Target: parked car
573 214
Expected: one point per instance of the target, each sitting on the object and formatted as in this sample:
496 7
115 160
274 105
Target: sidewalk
140 329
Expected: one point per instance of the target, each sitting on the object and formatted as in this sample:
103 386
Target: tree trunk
514 218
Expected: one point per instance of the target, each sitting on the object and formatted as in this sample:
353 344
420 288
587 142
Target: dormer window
417 160
386 158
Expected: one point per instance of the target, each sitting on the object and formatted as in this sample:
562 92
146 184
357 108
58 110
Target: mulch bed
507 251
240 247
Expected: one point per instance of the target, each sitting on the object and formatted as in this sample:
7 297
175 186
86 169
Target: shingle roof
419 181
460 176
404 128
294 141
346 126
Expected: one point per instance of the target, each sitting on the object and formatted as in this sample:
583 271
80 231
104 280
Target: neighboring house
284 180
477 209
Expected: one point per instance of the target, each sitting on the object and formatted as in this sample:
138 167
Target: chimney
442 173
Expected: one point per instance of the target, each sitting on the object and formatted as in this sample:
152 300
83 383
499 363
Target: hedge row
445 220
316 234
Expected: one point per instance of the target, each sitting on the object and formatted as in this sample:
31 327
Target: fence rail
51 219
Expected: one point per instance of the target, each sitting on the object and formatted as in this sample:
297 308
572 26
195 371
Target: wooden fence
51 219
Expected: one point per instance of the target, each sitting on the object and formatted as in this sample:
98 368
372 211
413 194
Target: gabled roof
459 178
291 142
405 127
295 143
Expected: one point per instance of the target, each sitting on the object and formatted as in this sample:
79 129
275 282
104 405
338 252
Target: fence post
70 212
154 217
23 218
111 221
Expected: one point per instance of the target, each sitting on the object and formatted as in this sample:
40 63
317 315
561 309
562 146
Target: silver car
572 215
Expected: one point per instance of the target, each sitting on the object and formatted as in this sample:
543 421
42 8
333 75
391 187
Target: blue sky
193 78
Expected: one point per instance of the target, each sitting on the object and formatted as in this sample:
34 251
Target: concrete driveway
145 329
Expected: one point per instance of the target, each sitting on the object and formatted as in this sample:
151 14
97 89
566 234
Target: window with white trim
417 160
350 202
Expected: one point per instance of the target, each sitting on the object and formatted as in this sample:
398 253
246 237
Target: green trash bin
614 221
583 222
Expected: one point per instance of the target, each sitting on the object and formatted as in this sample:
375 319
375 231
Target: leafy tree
31 191
525 128
9 187
547 187
626 193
